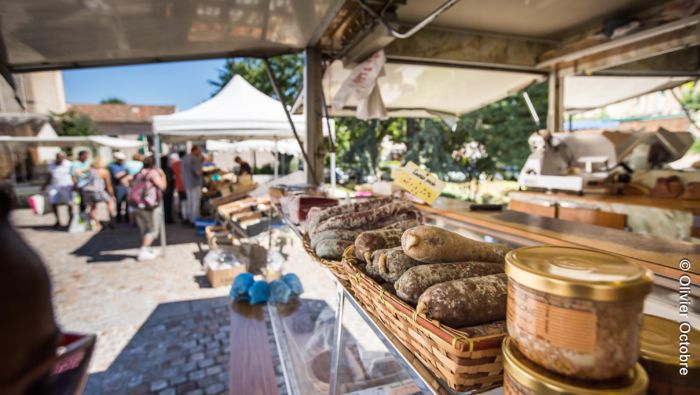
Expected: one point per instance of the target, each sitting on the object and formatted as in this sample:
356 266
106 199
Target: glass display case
328 344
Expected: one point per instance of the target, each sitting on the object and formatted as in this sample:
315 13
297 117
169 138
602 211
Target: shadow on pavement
44 228
182 347
125 237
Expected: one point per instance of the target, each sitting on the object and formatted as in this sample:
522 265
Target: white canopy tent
72 141
239 111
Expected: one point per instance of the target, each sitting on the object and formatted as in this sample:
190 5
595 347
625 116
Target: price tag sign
418 182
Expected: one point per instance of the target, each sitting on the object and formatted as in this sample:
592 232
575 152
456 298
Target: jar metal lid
544 382
578 273
659 343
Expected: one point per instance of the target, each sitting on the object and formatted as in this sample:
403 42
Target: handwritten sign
418 182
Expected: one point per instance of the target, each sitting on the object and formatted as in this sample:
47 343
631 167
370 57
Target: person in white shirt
60 184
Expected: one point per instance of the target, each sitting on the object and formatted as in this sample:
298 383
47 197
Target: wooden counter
251 370
665 203
658 254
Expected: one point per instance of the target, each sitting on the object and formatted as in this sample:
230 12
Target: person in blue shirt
120 181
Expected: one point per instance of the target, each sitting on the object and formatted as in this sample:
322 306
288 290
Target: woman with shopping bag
146 197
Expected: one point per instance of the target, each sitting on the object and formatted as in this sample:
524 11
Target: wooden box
223 277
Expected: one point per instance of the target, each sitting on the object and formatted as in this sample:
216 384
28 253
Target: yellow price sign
418 182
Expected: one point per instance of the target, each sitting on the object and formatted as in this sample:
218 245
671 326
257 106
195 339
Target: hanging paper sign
418 182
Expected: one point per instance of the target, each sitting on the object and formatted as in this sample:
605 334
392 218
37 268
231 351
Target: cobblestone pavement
142 312
160 327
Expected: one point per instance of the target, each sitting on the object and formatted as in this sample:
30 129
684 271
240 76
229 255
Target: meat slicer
597 161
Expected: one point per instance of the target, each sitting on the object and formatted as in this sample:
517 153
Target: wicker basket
463 363
336 267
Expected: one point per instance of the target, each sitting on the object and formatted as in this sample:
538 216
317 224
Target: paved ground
161 328
154 320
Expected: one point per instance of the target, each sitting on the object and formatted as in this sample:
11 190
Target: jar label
561 327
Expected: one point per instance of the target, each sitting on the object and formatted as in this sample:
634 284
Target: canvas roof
582 93
426 91
239 111
68 141
51 34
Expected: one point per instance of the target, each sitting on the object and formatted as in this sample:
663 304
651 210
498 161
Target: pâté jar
666 348
576 311
523 377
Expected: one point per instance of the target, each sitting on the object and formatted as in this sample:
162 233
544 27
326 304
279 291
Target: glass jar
660 354
576 311
522 377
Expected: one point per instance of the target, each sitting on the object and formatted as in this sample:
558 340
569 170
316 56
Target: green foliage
690 97
112 100
432 146
288 70
502 129
358 142
72 123
267 169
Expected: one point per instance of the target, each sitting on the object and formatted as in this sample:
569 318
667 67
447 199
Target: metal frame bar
631 39
337 343
415 29
278 92
399 59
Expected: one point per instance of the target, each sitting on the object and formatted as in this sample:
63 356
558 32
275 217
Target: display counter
660 255
665 217
366 358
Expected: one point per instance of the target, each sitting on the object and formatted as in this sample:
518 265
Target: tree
112 100
501 129
358 142
288 70
432 146
690 97
72 123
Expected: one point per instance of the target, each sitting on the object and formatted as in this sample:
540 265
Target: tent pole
278 92
156 152
277 160
331 141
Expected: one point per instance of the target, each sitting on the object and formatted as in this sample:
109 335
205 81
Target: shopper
176 166
60 185
243 167
193 179
98 189
146 198
169 192
80 170
30 334
120 181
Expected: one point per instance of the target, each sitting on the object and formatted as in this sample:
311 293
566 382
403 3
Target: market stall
396 314
519 40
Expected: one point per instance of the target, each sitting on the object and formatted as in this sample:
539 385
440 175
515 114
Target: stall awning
410 90
583 93
239 111
50 34
72 141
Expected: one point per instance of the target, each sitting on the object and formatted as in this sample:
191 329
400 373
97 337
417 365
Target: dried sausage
431 244
417 279
467 301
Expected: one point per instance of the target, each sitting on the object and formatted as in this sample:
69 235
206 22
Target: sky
183 84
